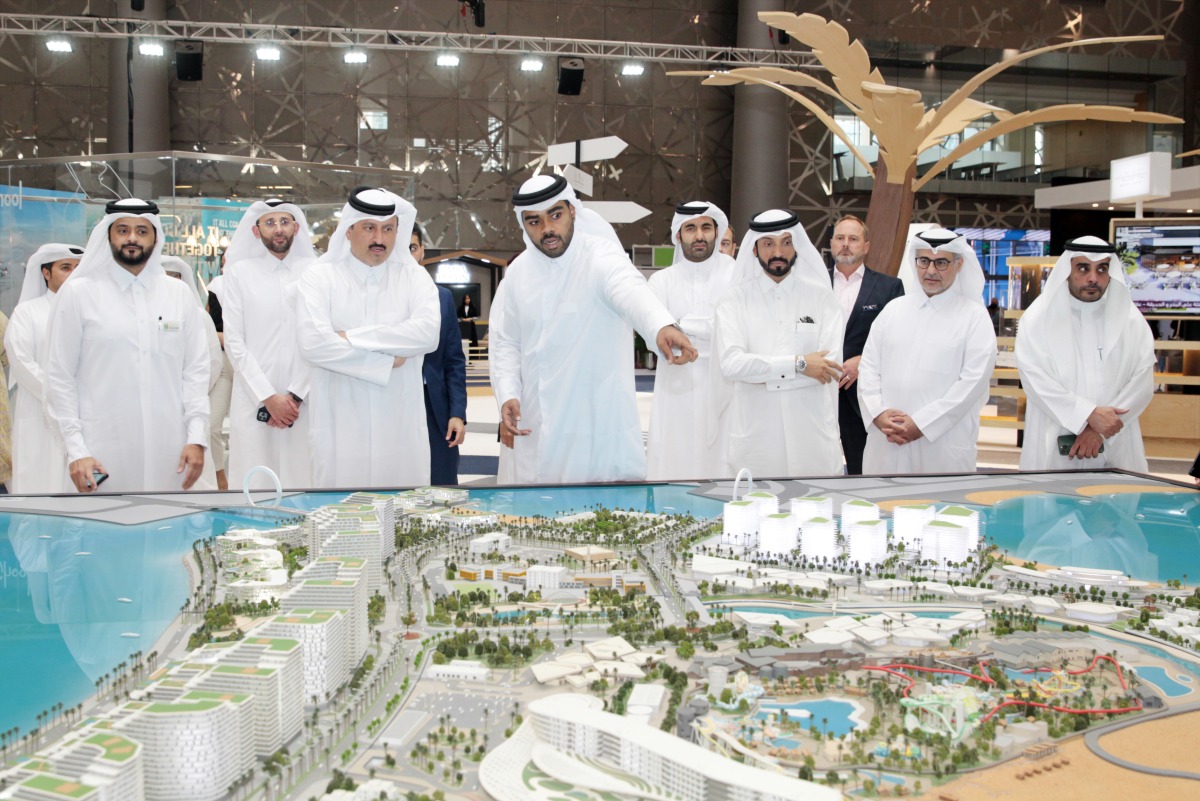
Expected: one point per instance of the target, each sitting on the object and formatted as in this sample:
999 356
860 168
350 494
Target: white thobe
259 309
564 348
367 419
1119 375
681 410
931 358
505 463
37 448
127 376
781 423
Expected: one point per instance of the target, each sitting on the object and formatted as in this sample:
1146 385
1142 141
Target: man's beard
690 255
777 266
565 237
275 247
141 258
847 261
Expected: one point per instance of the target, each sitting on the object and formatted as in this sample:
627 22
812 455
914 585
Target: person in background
220 395
680 444
445 375
862 293
269 251
38 457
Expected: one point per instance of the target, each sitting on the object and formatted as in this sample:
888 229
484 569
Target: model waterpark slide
957 715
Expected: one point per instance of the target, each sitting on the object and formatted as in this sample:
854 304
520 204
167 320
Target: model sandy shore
1167 743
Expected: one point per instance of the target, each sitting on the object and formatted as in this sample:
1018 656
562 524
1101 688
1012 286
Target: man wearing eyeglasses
927 364
269 250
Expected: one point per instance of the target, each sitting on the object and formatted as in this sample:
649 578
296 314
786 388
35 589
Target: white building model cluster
755 525
200 722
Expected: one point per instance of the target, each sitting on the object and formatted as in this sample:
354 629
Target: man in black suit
445 375
862 293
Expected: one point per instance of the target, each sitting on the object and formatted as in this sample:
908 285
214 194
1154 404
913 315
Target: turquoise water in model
1153 535
829 715
1160 678
77 596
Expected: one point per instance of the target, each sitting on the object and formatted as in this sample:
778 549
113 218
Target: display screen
1162 263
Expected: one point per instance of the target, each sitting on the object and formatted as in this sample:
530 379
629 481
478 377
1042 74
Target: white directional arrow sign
606 147
618 211
578 179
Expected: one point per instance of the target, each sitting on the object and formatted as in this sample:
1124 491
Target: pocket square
872 307
804 319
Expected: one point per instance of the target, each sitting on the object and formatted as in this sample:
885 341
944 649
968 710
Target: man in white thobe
177 268
779 340
37 448
680 411
222 390
127 369
366 314
927 365
561 358
1086 359
268 423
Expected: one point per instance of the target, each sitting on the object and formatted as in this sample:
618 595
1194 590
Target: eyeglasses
941 265
271 225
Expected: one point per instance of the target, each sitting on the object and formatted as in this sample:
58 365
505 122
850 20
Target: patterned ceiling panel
470 133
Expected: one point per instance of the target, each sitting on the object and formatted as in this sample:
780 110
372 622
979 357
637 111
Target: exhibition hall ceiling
468 133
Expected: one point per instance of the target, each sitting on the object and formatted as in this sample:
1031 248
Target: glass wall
201 198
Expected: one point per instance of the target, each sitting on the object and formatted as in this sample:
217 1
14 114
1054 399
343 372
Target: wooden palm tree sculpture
897 117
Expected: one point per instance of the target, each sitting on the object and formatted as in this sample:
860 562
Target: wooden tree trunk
888 217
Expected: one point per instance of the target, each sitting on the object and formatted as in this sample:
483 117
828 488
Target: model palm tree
902 125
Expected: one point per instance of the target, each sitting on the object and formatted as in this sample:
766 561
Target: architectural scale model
795 642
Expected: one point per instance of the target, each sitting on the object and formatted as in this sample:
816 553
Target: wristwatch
801 365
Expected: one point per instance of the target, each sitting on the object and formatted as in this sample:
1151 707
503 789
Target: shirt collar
857 275
364 273
768 285
123 277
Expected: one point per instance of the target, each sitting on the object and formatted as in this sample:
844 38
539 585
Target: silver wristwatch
801 365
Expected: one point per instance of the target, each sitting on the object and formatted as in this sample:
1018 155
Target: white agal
818 539
866 541
778 534
816 506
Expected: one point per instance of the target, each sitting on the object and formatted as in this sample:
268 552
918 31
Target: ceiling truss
368 38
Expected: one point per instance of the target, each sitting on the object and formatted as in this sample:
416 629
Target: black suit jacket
877 291
445 373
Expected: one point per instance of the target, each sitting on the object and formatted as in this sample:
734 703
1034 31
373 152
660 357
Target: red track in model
894 670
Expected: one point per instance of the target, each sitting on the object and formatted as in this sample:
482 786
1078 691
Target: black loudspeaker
570 75
189 60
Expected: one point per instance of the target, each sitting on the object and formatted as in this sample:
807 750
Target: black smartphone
1066 442
98 477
